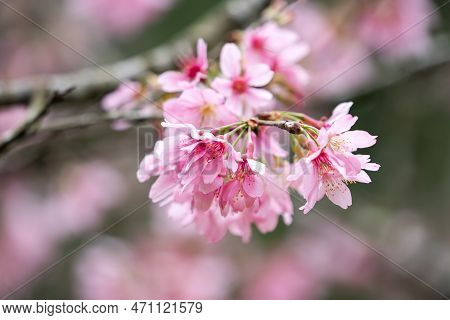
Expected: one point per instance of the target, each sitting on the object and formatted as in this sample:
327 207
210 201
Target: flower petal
253 185
173 81
224 86
340 110
357 139
338 193
259 75
202 53
230 60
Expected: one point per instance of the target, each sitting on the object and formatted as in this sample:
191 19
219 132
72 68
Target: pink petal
212 97
258 97
202 201
363 177
372 167
294 54
212 186
235 105
253 185
230 60
147 168
202 53
162 187
237 202
338 193
347 164
259 75
228 191
224 86
359 139
181 111
340 110
172 81
312 190
193 97
343 124
211 171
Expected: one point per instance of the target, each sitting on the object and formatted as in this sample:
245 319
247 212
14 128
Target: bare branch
87 120
37 110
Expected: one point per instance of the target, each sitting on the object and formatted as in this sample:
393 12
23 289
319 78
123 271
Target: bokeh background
58 192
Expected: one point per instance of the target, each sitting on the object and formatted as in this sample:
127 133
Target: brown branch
88 120
99 80
293 127
38 109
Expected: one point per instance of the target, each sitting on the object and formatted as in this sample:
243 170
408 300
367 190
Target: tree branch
99 80
37 110
87 120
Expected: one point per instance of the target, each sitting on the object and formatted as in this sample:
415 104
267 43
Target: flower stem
229 134
227 127
238 137
304 118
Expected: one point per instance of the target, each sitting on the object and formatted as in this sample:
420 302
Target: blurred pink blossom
336 62
85 194
25 244
25 52
282 50
148 270
397 22
34 222
307 265
120 17
281 276
335 256
130 96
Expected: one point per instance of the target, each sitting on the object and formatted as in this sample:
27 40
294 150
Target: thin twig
293 127
87 120
37 110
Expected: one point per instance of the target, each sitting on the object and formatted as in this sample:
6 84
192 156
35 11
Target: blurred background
391 57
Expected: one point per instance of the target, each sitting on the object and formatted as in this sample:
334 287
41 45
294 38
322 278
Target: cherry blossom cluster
222 165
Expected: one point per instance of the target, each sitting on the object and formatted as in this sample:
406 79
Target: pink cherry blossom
202 107
241 82
123 18
274 203
244 187
193 70
267 144
281 49
187 164
262 44
129 96
263 211
125 97
208 184
331 164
